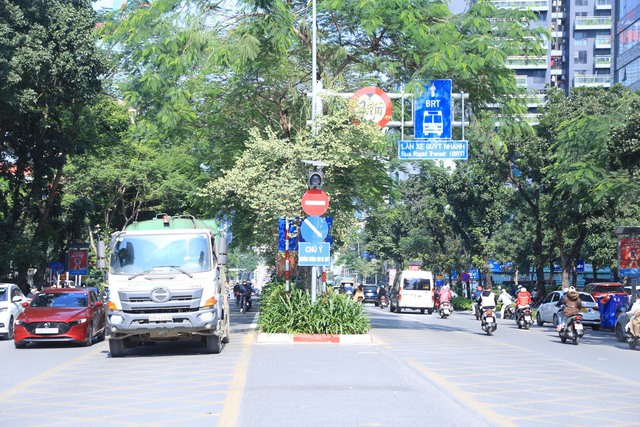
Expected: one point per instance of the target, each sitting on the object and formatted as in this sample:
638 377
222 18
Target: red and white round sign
375 104
315 202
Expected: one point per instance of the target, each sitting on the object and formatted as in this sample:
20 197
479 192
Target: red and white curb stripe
264 338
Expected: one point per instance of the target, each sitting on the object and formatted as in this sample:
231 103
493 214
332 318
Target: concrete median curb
264 338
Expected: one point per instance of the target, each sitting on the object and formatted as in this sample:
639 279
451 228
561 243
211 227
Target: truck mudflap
165 325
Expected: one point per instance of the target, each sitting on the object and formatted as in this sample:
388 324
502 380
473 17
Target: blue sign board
433 150
314 229
56 267
314 254
432 111
293 234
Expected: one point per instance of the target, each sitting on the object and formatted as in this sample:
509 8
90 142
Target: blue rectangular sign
433 150
314 254
432 111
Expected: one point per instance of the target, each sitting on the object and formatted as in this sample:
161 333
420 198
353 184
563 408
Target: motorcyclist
358 295
245 292
634 317
445 294
487 299
382 293
572 305
236 293
523 299
475 297
506 301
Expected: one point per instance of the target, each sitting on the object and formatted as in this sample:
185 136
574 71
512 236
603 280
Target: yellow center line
231 407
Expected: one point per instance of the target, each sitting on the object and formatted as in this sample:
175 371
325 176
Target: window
580 57
417 284
582 2
579 38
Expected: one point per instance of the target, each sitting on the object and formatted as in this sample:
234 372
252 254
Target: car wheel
555 321
422 311
89 339
539 321
9 334
20 344
214 344
430 311
620 333
116 347
596 327
102 335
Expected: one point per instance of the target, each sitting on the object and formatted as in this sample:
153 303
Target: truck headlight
206 317
115 319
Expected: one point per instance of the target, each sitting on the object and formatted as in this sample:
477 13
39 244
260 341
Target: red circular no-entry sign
375 105
315 202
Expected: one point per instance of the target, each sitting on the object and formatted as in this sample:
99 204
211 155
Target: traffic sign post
432 115
315 202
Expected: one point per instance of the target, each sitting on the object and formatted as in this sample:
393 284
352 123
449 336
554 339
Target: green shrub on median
332 313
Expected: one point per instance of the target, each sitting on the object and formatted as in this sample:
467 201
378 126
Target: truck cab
166 282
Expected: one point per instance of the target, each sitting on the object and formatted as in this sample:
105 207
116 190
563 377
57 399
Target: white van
413 290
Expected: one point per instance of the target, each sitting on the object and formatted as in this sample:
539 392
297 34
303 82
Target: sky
99 4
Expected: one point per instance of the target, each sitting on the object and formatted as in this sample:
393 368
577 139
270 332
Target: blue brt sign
432 112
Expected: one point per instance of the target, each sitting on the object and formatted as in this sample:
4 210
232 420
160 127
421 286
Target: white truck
166 282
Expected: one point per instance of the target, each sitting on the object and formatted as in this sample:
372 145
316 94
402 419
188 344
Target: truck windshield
146 253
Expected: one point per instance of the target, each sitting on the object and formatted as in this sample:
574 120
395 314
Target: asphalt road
419 370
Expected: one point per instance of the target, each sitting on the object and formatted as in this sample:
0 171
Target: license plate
584 310
46 330
163 317
489 319
527 318
579 326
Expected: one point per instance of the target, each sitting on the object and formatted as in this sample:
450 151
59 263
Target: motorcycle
632 340
523 316
384 302
509 312
477 312
573 329
445 309
488 318
246 304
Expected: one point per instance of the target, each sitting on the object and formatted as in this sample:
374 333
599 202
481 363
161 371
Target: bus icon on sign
433 122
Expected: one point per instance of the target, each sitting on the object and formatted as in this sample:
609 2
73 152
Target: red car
61 315
601 289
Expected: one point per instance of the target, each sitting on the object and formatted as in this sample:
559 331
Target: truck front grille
140 302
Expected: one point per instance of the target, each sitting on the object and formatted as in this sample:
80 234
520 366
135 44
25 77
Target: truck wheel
225 339
214 344
116 347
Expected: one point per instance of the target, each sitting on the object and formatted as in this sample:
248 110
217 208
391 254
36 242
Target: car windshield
144 253
609 289
417 284
586 298
60 299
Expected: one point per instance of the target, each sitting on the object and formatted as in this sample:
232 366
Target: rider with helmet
572 305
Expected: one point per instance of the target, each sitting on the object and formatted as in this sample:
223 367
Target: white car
11 299
548 311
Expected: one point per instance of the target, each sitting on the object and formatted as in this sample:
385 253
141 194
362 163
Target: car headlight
78 322
20 322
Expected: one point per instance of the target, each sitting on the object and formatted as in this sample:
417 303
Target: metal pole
462 98
314 283
286 254
314 66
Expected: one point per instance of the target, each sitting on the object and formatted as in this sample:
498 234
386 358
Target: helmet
572 289
523 289
519 286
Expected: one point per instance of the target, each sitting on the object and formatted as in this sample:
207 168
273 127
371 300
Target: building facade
626 63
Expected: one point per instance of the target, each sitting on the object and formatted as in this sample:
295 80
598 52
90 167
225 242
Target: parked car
11 299
61 315
371 294
601 289
548 311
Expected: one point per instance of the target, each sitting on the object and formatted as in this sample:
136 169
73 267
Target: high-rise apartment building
626 58
579 52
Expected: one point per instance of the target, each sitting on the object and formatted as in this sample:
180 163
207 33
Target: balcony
593 23
535 5
603 80
602 61
527 62
521 81
603 42
603 4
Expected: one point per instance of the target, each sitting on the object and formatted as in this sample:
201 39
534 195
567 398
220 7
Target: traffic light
315 179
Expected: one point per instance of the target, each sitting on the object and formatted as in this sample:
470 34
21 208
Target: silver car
548 311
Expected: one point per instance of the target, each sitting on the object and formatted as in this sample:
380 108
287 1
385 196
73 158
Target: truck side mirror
222 250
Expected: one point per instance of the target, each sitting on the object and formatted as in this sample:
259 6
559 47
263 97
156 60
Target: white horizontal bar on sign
458 124
314 203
